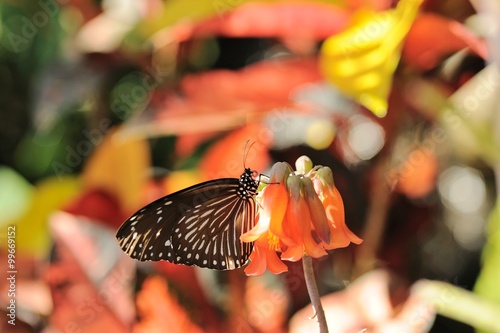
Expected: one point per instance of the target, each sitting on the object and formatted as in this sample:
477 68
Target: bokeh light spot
365 137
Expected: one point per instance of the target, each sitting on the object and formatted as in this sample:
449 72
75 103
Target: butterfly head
248 184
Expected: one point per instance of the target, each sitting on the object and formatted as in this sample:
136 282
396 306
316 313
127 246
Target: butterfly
200 225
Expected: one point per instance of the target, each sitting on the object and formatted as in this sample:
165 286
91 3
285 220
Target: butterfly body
200 225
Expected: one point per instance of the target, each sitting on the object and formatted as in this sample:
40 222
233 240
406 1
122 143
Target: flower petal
293 253
317 211
258 262
299 217
261 226
275 198
334 207
294 218
274 201
312 248
274 264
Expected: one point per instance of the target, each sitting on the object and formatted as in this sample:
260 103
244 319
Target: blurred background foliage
107 105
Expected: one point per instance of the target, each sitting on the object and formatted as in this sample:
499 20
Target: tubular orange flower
264 256
334 208
273 201
299 213
298 224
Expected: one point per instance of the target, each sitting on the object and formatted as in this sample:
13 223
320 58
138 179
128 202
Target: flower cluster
300 213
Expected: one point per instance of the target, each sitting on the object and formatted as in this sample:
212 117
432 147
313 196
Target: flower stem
312 289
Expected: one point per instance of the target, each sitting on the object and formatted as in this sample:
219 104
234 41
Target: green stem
312 289
459 304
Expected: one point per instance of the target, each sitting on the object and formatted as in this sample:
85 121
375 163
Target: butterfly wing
200 225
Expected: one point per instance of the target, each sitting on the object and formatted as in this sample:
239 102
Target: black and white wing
200 225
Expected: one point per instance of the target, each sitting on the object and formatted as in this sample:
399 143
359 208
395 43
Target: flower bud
325 175
280 172
303 164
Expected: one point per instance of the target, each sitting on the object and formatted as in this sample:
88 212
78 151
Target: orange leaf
370 4
226 158
160 311
271 318
433 37
417 176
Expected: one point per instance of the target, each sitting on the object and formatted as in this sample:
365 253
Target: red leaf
266 84
97 205
433 37
224 99
78 303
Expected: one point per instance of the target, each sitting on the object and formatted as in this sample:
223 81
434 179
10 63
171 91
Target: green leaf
487 284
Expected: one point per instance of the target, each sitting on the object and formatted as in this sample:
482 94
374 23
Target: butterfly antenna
245 155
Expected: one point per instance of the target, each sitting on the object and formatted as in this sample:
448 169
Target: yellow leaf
32 234
177 180
120 166
361 61
16 194
180 11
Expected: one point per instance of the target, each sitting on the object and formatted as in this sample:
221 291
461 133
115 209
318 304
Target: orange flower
264 256
334 208
300 213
